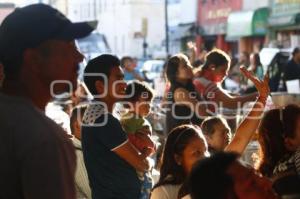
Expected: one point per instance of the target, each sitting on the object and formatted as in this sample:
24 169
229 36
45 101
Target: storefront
249 28
284 23
212 23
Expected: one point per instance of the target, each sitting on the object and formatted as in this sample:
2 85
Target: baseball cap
29 26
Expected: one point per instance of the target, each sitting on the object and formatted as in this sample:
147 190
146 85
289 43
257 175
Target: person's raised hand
262 86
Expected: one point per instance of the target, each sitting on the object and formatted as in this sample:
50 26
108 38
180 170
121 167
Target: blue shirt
130 75
110 176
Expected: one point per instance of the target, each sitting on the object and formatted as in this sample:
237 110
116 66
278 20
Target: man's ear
99 87
178 159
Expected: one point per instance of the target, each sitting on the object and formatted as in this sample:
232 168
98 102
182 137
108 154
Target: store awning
247 23
181 31
285 20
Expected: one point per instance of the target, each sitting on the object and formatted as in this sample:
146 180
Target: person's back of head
216 58
209 178
99 69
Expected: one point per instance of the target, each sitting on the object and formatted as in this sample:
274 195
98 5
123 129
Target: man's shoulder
96 115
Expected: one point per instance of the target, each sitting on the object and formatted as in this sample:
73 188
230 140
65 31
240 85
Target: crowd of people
110 152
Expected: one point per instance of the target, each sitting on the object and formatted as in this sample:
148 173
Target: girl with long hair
279 138
183 100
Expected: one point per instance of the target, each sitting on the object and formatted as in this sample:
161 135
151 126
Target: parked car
273 61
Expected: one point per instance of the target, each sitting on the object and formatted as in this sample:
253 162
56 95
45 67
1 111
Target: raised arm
247 128
231 101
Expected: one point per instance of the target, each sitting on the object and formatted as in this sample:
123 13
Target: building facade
284 23
212 23
249 26
132 25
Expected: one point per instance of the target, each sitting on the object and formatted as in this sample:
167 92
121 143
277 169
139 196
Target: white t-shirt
165 192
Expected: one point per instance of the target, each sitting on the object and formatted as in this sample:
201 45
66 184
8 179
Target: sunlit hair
256 59
217 58
208 125
275 126
173 65
178 139
137 89
172 71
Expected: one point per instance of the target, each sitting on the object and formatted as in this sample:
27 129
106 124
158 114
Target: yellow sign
287 1
220 13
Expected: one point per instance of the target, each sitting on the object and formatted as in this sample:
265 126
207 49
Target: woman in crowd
186 144
209 81
255 67
279 138
182 99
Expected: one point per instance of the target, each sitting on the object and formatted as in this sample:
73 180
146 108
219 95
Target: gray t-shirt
37 159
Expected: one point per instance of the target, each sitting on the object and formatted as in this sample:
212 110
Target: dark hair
77 111
276 125
172 70
208 124
136 89
295 51
102 64
124 59
216 57
178 139
209 178
256 59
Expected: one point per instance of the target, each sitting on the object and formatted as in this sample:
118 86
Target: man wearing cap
36 49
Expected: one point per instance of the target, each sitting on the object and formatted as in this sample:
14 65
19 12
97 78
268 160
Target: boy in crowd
217 133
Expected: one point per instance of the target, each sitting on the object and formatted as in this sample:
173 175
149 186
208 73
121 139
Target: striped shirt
290 163
83 190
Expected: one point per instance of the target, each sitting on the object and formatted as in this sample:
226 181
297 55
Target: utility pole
167 28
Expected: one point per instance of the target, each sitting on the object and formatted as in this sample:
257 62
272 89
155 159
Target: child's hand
262 86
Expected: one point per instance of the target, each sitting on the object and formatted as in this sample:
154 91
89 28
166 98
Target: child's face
220 73
142 107
194 151
220 138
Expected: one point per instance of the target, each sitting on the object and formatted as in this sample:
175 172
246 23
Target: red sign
216 11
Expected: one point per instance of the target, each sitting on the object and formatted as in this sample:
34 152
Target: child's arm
249 125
